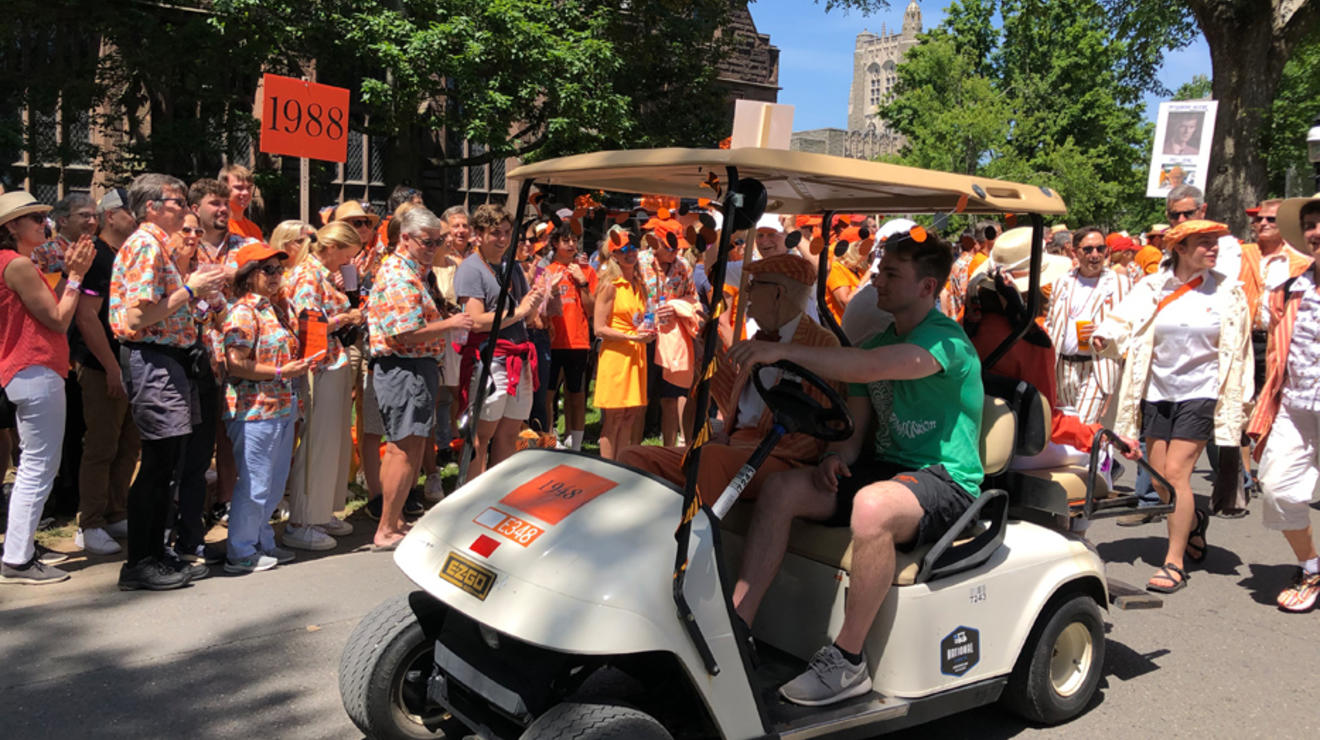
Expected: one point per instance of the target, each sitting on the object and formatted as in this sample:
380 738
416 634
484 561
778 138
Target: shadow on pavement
1266 581
61 680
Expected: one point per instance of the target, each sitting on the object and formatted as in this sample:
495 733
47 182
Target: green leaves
1050 95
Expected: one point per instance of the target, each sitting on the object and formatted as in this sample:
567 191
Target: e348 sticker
959 651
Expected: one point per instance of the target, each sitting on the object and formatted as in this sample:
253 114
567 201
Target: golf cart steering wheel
797 411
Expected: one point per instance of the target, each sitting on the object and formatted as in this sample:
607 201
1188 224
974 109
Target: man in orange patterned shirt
406 338
150 316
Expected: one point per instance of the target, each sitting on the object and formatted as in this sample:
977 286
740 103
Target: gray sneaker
251 564
281 555
829 678
33 573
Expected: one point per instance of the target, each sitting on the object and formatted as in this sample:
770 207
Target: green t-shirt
933 420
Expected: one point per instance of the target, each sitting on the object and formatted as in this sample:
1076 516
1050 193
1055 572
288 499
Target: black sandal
1167 574
1202 524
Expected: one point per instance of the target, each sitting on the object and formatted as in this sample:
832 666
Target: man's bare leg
883 515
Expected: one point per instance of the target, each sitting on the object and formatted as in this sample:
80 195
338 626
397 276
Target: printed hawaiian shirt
309 288
400 303
255 324
145 274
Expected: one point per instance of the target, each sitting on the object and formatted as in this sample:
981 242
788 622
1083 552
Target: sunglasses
358 223
272 270
1090 250
190 230
36 218
1175 215
1266 219
626 249
307 239
182 203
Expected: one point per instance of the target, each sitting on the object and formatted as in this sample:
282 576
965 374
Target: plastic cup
1083 336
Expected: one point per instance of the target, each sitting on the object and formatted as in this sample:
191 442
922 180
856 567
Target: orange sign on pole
304 119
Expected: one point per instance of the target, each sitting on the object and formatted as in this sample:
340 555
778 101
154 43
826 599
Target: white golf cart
562 595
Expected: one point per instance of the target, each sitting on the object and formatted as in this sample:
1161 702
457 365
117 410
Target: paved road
256 656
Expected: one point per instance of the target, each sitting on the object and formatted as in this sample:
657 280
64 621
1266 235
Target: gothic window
875 83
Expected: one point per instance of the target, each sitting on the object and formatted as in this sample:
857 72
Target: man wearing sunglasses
1079 301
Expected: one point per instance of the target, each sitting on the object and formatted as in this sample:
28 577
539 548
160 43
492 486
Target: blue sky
815 54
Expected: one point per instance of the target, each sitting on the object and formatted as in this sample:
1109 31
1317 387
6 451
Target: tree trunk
1249 41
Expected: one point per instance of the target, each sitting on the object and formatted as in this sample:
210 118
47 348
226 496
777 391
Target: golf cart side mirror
752 206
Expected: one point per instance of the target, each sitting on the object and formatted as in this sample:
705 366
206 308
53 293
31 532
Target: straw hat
19 203
1012 253
1173 237
1289 221
353 209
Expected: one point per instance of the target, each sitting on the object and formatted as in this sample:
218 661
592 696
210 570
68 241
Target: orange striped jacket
1283 314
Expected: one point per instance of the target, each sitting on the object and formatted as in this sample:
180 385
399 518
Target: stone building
875 72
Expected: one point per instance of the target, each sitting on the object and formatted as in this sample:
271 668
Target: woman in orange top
844 280
570 332
621 368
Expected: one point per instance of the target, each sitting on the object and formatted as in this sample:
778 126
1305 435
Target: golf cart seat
970 542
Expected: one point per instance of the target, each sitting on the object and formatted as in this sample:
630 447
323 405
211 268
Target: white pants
1290 469
38 394
319 480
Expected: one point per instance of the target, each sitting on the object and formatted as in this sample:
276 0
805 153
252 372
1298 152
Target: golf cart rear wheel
595 722
1059 669
383 674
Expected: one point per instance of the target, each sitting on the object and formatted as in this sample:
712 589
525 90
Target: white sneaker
118 530
251 564
95 541
336 527
308 538
435 488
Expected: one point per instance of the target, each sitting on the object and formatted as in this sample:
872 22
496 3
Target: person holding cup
1079 301
619 322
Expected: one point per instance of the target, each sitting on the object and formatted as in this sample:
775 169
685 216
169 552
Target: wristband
277 372
72 285
191 295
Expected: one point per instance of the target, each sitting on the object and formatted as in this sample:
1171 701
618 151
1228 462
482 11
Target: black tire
571 721
1057 674
383 673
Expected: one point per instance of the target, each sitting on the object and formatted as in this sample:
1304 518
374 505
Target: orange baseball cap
254 253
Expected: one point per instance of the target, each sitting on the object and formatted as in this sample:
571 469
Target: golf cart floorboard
794 721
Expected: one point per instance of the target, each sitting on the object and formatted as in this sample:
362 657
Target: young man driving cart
919 382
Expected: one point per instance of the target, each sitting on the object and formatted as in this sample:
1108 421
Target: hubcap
1070 663
410 683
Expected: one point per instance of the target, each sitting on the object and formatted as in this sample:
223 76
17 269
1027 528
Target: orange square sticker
556 493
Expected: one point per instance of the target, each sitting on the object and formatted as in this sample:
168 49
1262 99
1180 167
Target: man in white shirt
1079 301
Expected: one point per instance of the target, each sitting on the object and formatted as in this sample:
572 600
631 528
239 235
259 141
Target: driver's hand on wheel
828 471
750 352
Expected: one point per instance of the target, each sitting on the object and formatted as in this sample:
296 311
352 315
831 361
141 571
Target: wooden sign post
304 119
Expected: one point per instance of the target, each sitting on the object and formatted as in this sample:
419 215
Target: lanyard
1179 293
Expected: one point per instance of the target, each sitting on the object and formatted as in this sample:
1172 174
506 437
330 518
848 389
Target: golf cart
562 595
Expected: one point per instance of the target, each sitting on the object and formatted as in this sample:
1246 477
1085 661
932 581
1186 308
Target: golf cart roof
797 182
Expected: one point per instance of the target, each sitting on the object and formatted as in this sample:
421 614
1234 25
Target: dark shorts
7 411
656 385
942 500
573 364
1165 420
405 388
162 399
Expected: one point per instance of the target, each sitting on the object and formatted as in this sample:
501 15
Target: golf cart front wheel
383 674
595 722
1059 670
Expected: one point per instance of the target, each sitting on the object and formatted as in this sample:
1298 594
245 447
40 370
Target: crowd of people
222 372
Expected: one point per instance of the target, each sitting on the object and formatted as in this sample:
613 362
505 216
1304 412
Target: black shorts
1165 420
942 500
8 412
656 385
573 364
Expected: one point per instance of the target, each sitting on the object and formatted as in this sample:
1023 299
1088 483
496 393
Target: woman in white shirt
1185 335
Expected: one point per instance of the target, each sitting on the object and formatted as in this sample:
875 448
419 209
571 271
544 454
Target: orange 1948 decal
509 526
556 493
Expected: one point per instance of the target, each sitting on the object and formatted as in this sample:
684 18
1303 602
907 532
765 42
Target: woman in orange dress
620 324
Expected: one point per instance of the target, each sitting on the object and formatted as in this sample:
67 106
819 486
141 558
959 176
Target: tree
1250 43
1295 107
1049 95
